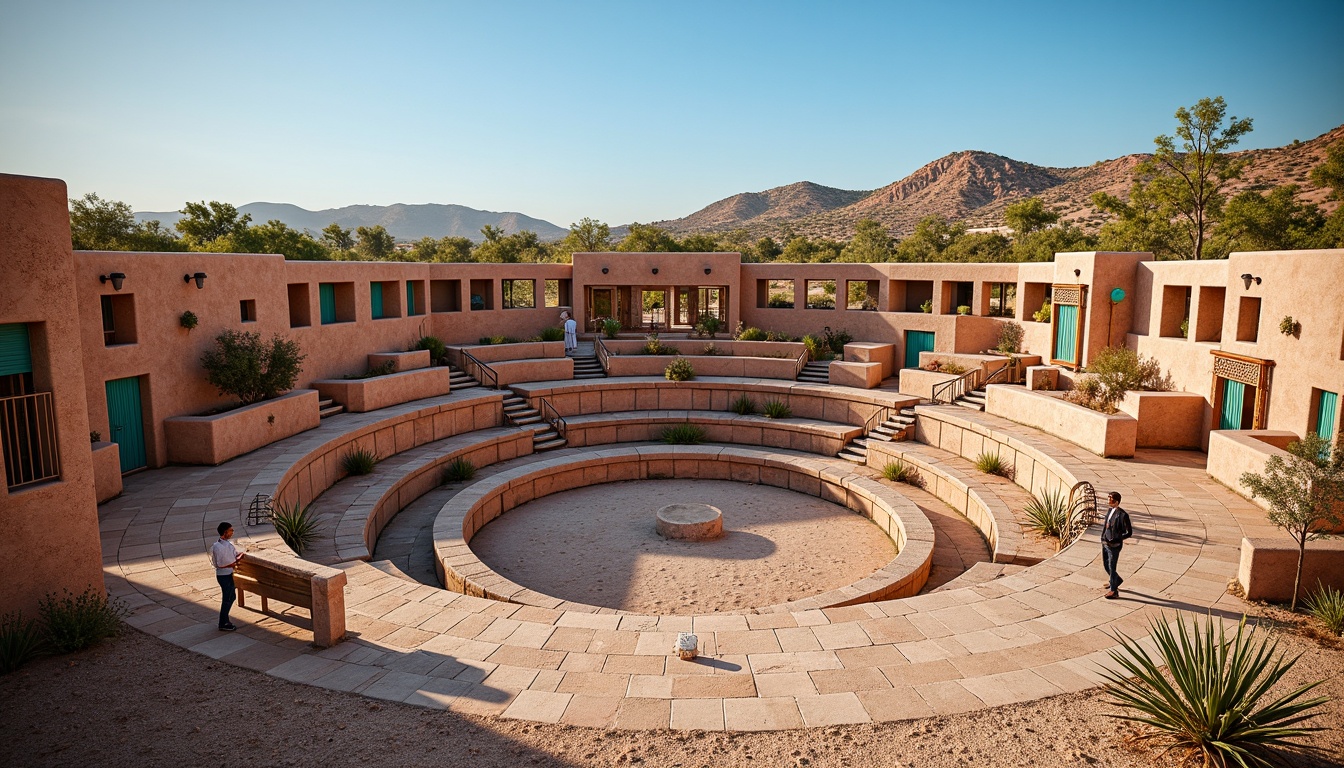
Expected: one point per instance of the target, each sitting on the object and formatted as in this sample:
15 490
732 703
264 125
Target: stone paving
1039 632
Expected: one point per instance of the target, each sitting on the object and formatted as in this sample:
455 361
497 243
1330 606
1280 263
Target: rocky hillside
975 187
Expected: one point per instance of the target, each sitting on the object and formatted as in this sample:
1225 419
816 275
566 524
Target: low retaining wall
919 383
363 395
216 439
869 352
713 365
106 471
859 375
1167 419
473 508
525 350
1112 435
944 427
817 437
401 361
696 347
1233 452
538 369
1268 566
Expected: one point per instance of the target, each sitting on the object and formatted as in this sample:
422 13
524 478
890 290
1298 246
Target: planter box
524 350
861 375
216 439
1232 452
864 352
401 361
1167 419
920 383
106 471
1109 435
362 395
535 369
714 365
1268 566
1042 378
696 347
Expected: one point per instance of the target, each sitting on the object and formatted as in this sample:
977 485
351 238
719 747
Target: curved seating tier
461 570
820 437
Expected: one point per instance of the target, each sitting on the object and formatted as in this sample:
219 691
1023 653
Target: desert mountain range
969 186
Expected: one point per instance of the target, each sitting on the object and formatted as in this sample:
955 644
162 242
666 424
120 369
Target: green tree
454 249
1027 216
1188 181
204 223
374 243
337 237
871 243
1304 491
424 249
1272 222
765 249
1330 173
933 235
1140 224
979 247
698 242
252 369
646 238
1043 244
273 237
801 249
110 225
587 236
519 247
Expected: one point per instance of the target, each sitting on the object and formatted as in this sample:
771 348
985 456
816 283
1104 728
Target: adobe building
94 347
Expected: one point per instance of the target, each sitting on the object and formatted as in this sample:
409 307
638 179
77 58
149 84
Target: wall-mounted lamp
199 277
116 278
655 270
708 270
1247 279
1078 274
605 270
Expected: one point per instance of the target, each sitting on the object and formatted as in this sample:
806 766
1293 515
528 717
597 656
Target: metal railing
1082 512
483 373
552 416
28 439
800 364
951 391
879 417
603 355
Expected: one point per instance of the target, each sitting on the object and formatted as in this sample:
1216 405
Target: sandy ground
598 545
139 701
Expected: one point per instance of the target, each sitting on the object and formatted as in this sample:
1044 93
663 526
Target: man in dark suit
1115 528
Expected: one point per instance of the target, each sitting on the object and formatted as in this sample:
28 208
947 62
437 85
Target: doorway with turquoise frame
125 418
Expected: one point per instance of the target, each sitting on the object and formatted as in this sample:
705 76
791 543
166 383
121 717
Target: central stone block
692 522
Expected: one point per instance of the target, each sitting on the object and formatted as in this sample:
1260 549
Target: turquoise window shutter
1326 408
16 354
327 294
916 342
1066 333
376 299
410 299
1234 399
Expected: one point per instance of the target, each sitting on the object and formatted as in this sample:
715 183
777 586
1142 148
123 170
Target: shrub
459 470
899 472
778 336
382 369
708 325
743 405
964 309
1048 513
992 464
75 622
1123 370
1010 338
252 370
836 340
437 349
927 307
20 642
188 320
297 524
1208 702
1289 327
752 334
816 348
780 301
611 327
679 370
776 409
710 350
945 366
683 434
1042 315
821 302
1185 328
552 334
359 461
1327 607
653 346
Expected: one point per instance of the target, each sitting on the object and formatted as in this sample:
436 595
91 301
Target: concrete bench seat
807 435
275 575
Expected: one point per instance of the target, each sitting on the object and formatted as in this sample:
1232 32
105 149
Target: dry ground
139 701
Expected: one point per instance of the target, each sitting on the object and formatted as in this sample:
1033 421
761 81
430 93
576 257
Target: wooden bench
277 576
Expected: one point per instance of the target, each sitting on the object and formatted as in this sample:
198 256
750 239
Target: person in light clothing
1114 530
571 333
225 557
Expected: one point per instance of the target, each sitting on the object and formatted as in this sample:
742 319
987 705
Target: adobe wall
50 540
674 269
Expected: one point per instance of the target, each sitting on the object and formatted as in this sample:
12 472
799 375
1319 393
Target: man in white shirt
225 557
571 333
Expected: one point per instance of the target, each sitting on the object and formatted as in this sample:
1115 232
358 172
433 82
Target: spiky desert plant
1207 703
1327 607
459 470
743 405
776 409
20 642
359 461
297 524
1048 513
992 464
683 434
898 472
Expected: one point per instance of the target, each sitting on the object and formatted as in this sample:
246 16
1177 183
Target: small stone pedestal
690 522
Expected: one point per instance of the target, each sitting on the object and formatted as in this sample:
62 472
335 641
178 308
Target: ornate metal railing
28 439
1082 512
552 416
879 416
478 370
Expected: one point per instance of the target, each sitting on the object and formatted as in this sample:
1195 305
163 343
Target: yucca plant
459 470
743 405
1048 513
992 464
359 461
683 434
20 642
1327 607
297 524
75 622
1207 703
898 472
776 409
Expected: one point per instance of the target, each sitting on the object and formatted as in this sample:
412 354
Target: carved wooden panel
1237 370
1068 295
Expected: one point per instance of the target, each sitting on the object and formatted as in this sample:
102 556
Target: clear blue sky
622 111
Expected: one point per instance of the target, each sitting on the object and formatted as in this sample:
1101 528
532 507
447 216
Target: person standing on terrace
1114 530
225 557
571 333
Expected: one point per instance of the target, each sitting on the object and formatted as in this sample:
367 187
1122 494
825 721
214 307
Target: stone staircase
460 379
520 413
975 400
981 573
588 368
894 429
816 372
329 407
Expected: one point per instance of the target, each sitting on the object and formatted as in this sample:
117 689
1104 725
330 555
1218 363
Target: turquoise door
916 342
128 427
326 293
1066 333
410 299
376 299
1234 402
1326 408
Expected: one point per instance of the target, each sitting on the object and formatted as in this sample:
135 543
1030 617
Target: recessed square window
248 308
820 294
118 319
1248 319
300 310
558 293
862 295
519 294
445 295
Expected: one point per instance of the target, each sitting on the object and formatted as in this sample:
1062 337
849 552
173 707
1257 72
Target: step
590 375
523 421
549 445
853 456
971 405
981 573
330 410
974 397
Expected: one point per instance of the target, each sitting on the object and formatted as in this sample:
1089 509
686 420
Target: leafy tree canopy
1027 216
933 235
646 238
1331 172
203 223
871 243
374 243
1276 221
109 225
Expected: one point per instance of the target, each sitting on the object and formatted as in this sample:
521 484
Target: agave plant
297 524
993 464
898 472
743 405
776 409
683 434
459 470
1208 701
359 461
1327 607
1048 513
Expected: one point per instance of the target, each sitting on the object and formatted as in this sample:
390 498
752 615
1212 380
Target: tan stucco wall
50 540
